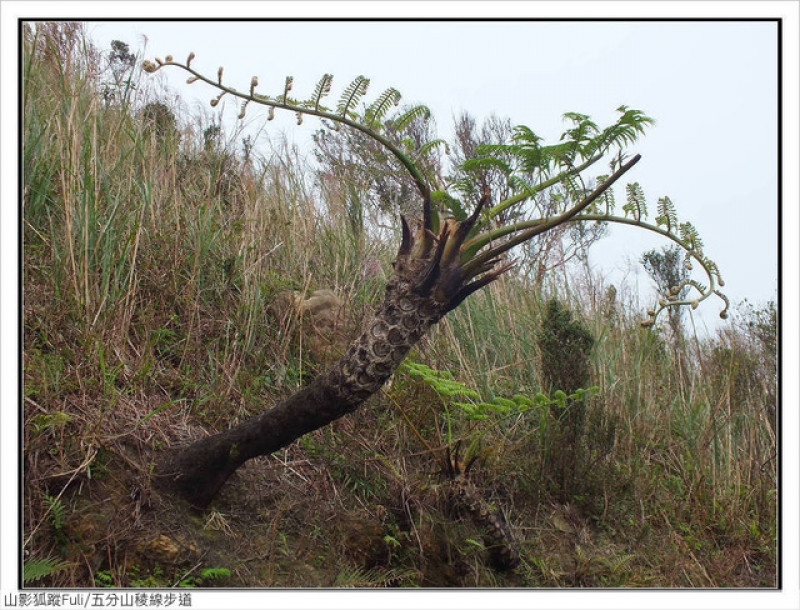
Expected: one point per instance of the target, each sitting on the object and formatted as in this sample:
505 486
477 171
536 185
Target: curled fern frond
409 116
691 237
322 89
378 109
666 214
424 150
345 114
608 197
636 205
287 87
352 94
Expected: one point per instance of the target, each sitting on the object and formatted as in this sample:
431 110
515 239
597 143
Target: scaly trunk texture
428 281
199 471
497 537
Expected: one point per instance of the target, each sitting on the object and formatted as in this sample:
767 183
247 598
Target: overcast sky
711 86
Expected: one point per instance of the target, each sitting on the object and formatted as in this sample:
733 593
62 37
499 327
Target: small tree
121 62
564 345
440 261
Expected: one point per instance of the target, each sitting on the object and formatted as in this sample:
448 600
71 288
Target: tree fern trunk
497 537
199 471
428 282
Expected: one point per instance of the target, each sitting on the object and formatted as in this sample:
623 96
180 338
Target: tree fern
529 168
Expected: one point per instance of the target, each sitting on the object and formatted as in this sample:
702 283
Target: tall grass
152 258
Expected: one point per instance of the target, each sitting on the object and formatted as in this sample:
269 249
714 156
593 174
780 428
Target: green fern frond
36 569
56 509
442 199
584 130
518 184
691 237
608 197
636 205
573 186
482 164
357 577
322 89
49 421
409 116
215 573
441 382
351 95
378 109
667 216
424 150
524 135
624 132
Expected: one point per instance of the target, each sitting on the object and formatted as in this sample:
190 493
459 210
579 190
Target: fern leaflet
636 205
666 214
352 94
691 237
408 117
287 87
36 569
378 109
427 147
322 89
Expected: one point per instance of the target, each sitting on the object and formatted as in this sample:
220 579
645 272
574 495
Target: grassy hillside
165 266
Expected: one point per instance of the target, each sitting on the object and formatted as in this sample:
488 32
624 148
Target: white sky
711 86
